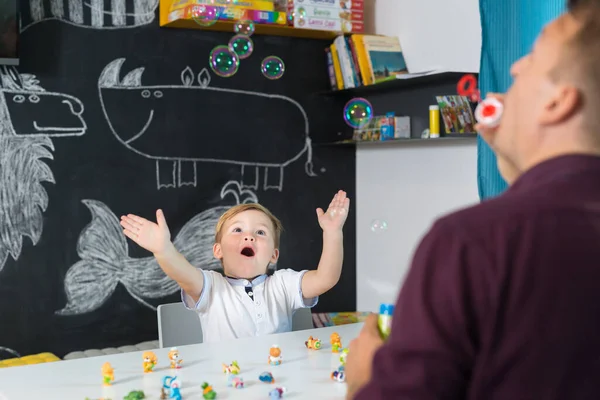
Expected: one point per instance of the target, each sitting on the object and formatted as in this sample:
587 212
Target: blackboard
109 114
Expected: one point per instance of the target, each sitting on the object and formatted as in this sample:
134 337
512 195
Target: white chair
178 326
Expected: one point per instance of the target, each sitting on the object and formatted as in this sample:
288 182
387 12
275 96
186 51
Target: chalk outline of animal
77 17
20 88
109 78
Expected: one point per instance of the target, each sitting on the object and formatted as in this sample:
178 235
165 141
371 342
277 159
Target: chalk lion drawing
105 261
29 117
156 122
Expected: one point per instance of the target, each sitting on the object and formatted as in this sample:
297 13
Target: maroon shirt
502 301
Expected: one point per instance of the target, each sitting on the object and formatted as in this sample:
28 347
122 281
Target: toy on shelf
275 355
235 381
336 343
135 395
384 321
150 361
277 393
313 343
232 368
266 377
343 357
108 374
208 392
339 375
174 358
173 385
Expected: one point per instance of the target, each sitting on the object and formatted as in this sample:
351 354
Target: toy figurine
232 368
108 374
235 381
150 361
173 385
338 375
313 343
174 358
336 342
266 377
275 355
135 395
277 393
208 392
343 356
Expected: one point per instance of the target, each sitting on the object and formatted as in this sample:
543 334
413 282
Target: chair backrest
178 326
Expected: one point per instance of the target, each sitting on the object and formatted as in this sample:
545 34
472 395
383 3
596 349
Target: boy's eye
237 229
261 232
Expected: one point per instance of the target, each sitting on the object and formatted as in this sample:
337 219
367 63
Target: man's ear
217 251
275 256
563 102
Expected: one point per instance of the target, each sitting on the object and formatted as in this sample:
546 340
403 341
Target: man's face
530 99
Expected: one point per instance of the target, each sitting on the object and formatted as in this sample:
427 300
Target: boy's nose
249 238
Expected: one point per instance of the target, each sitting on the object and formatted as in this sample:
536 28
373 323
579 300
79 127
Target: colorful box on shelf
328 15
358 5
262 5
235 14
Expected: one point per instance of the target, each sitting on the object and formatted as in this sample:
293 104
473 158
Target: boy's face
247 245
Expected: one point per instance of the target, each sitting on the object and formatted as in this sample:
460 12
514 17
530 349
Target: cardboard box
263 5
326 24
358 5
235 14
328 12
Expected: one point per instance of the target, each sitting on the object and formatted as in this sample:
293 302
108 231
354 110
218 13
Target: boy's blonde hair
235 210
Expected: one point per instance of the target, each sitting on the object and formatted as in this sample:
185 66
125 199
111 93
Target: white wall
407 186
434 34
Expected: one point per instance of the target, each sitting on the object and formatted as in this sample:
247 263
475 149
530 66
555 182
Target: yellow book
363 59
336 67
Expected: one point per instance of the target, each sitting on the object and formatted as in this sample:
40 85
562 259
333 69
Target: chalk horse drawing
29 117
11 353
105 262
94 14
160 119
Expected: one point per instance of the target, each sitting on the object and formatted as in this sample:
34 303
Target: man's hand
360 356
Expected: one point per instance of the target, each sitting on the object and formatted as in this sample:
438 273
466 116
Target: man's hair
583 57
235 210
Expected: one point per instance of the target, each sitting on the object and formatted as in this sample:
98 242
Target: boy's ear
217 251
275 256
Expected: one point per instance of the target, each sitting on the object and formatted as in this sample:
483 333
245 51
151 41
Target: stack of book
360 60
344 16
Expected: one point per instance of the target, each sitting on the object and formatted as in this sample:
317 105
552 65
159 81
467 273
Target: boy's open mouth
248 252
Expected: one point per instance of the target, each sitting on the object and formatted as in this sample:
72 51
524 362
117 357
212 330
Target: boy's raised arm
327 274
156 238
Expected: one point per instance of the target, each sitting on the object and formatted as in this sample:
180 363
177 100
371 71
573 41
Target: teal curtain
508 29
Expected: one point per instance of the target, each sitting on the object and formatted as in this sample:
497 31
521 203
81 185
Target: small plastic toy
336 342
277 393
343 357
489 112
313 343
135 395
174 358
208 392
338 375
384 321
150 361
235 381
275 355
467 86
108 374
266 377
232 368
173 386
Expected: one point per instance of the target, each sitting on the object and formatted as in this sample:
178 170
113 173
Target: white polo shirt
227 311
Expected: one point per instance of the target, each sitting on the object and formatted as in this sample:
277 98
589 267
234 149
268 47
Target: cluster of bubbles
225 60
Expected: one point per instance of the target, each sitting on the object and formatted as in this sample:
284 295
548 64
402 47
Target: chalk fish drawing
13 354
29 117
93 14
105 262
160 119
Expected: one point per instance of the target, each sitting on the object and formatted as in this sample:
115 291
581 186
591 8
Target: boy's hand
336 214
151 236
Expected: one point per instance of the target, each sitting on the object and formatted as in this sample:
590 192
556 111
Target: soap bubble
206 15
272 67
358 112
378 225
244 27
241 45
223 61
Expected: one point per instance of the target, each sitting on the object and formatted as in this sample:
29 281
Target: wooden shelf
227 26
398 84
443 139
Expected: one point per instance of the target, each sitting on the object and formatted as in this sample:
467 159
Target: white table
304 373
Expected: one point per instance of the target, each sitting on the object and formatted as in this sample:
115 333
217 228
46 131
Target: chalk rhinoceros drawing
259 132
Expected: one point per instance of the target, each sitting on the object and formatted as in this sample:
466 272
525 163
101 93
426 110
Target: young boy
246 302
